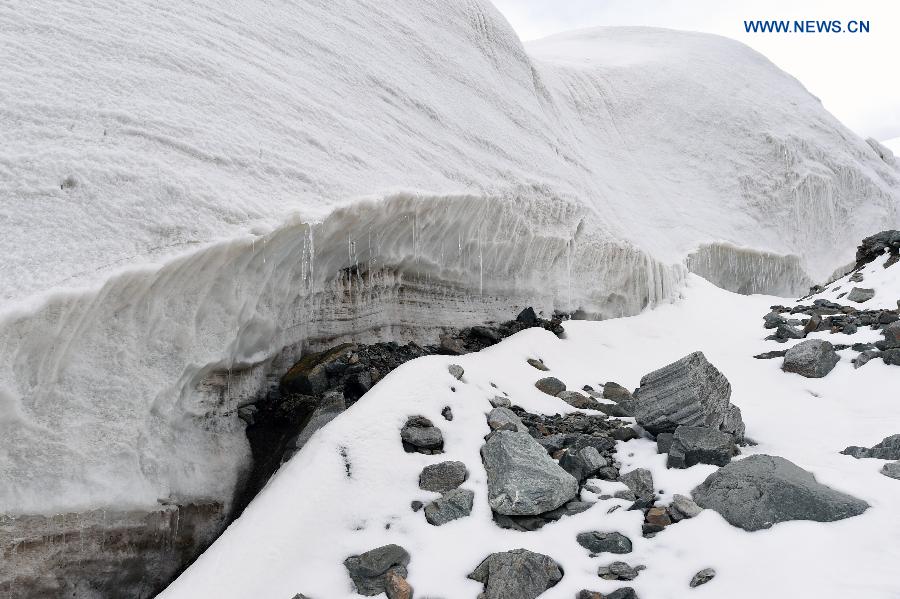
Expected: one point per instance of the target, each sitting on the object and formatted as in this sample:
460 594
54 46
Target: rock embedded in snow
860 295
504 419
891 357
874 246
639 481
761 490
693 445
865 357
702 577
539 364
498 401
583 463
684 507
452 505
443 476
518 574
887 449
619 571
522 479
456 371
577 400
620 395
690 391
396 586
368 570
891 470
419 435
623 593
550 385
813 358
604 542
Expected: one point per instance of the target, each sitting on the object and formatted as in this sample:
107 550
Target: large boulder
516 574
689 392
813 358
368 570
699 445
522 479
762 490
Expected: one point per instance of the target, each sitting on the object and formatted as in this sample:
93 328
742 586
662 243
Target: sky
857 76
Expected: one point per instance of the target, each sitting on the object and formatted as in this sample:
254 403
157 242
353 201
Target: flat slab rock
759 491
522 479
516 574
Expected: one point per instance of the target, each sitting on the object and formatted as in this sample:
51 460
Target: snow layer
295 535
885 282
188 190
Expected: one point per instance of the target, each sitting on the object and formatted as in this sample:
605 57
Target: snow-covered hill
192 192
349 490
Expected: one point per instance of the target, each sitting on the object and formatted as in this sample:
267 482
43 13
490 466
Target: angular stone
761 490
891 469
396 587
813 358
887 449
658 516
620 395
685 506
522 479
639 481
450 506
786 331
860 295
619 571
539 364
420 435
698 445
891 357
527 316
504 419
517 574
664 442
551 385
864 357
498 401
577 400
310 375
604 542
689 392
368 570
702 577
584 463
443 477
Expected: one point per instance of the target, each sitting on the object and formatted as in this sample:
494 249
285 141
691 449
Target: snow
892 144
187 188
296 533
883 281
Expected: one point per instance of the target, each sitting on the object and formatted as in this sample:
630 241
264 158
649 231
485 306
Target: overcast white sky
857 76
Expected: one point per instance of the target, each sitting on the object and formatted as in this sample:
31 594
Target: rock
300 596
584 463
310 375
329 407
248 413
891 469
626 494
577 400
450 506
443 476
771 354
664 442
773 320
447 413
516 574
539 364
639 481
620 395
498 401
619 571
504 419
489 334
702 577
604 542
551 385
891 357
874 246
658 516
396 587
887 449
368 570
860 295
416 505
357 384
522 479
685 506
891 334
527 316
456 371
812 324
689 392
786 331
813 358
452 345
421 436
761 490
623 593
864 357
698 445
625 433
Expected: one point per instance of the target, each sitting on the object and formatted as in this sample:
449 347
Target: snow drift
191 192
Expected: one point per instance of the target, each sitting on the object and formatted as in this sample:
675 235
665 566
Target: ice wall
749 271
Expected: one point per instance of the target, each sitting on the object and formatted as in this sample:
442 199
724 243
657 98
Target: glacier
193 193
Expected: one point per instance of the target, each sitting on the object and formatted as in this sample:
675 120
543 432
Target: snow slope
191 192
295 535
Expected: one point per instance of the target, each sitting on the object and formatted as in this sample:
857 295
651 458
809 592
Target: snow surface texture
192 191
883 281
292 540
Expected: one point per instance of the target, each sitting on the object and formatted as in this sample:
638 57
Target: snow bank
292 540
165 166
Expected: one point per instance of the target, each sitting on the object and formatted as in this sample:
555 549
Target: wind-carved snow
192 192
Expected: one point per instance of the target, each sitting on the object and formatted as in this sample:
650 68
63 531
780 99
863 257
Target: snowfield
349 490
192 193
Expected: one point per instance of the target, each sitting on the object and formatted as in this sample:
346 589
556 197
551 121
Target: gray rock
864 357
443 477
891 357
698 445
664 442
639 481
891 469
626 494
447 413
450 506
786 331
367 571
330 407
887 449
517 574
761 490
498 401
623 593
702 577
685 506
813 358
860 295
577 400
456 371
891 333
539 364
604 542
420 435
551 385
613 409
300 596
584 463
522 479
504 419
620 395
572 508
772 320
619 571
688 392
